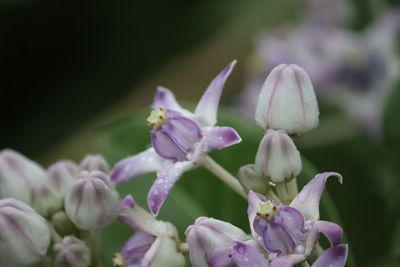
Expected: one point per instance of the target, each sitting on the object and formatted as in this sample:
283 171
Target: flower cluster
55 208
285 224
52 217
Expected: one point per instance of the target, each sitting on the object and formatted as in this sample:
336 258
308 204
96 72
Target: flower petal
276 238
288 261
332 231
136 247
254 200
218 138
164 253
144 162
307 201
166 179
333 257
166 147
248 256
206 110
164 98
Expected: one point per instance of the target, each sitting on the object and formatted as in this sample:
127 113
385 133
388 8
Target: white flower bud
252 179
24 179
62 175
24 235
92 201
93 163
71 252
287 101
277 157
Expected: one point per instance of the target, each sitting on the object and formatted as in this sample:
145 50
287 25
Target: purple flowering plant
57 219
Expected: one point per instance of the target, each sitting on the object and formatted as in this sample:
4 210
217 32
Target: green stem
223 175
93 241
292 189
282 192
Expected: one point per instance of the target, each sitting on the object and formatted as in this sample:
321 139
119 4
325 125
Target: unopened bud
62 175
92 201
208 234
287 101
24 235
71 252
277 157
62 224
24 179
252 179
94 163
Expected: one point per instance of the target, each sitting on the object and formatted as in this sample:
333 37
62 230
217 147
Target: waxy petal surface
206 110
332 231
332 257
164 98
254 200
142 163
288 260
307 201
166 179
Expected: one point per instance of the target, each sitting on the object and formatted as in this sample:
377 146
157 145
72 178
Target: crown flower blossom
155 243
290 232
180 139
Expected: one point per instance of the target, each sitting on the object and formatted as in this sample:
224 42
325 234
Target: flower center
156 118
267 210
118 261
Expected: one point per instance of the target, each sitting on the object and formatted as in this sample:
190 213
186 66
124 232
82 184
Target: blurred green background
79 76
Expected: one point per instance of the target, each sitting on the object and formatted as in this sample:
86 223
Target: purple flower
180 138
155 243
289 233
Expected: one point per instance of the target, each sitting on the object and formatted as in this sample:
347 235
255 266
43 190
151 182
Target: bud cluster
40 209
287 105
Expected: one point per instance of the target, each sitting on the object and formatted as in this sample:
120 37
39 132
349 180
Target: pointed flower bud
287 101
93 163
24 179
71 252
62 175
252 179
92 201
24 235
277 157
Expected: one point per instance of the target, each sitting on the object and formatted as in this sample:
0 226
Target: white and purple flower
179 138
282 235
155 243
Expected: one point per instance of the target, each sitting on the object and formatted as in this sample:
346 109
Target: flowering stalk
223 175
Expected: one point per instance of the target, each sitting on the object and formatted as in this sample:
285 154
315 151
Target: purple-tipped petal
333 257
288 260
245 255
206 110
136 247
332 231
164 98
166 179
217 138
127 203
166 147
254 200
142 163
307 201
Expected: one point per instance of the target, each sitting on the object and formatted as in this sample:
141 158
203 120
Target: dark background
64 61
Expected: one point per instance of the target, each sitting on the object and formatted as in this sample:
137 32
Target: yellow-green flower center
156 118
267 210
